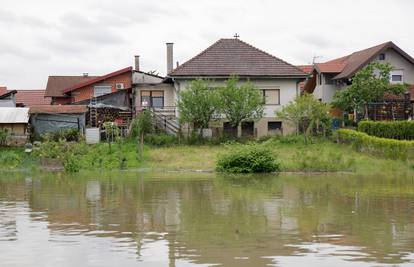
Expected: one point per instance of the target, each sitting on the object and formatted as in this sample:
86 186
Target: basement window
274 125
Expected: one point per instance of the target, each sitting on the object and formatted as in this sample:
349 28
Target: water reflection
129 219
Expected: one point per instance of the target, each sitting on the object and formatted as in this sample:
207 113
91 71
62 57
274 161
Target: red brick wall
87 91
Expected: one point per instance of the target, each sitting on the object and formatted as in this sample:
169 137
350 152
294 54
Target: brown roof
348 65
57 84
235 57
58 109
30 98
306 68
96 79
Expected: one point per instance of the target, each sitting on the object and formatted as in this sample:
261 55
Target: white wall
139 78
400 63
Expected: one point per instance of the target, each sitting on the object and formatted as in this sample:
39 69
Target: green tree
198 104
112 133
308 114
370 84
141 126
238 103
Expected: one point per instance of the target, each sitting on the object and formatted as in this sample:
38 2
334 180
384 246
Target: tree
308 114
238 103
111 132
141 126
370 84
198 104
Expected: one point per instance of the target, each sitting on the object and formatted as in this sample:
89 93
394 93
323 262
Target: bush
10 159
248 159
401 130
161 139
66 134
389 148
71 164
4 134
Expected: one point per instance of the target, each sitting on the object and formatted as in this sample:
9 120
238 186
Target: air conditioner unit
119 86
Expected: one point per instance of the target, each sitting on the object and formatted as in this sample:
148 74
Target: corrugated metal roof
14 115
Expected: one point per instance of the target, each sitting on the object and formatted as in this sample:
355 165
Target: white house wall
399 63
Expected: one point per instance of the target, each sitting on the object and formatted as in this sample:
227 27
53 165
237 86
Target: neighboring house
329 77
277 80
149 90
15 121
102 85
57 84
7 97
52 118
28 98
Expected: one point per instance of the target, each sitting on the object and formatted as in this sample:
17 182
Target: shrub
71 164
389 148
4 134
248 159
161 139
66 134
10 159
401 130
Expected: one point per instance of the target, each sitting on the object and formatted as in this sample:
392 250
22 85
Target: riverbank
293 154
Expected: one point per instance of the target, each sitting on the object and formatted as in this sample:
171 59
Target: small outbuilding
14 121
52 118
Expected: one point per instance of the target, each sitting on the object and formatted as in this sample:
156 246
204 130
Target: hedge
389 148
401 130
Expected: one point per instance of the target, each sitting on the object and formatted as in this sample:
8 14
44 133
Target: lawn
293 154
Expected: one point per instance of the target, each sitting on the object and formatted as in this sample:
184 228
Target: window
100 90
271 96
274 125
381 57
320 79
397 76
152 99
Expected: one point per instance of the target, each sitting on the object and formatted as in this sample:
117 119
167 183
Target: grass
292 153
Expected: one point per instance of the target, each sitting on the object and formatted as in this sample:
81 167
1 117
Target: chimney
137 62
170 57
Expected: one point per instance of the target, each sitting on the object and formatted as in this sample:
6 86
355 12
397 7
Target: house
277 80
52 118
7 97
14 121
329 77
73 89
22 98
28 98
149 90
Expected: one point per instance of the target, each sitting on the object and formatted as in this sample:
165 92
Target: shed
52 118
15 120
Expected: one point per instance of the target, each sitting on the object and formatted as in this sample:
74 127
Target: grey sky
51 37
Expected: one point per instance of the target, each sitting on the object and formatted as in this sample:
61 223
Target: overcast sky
53 37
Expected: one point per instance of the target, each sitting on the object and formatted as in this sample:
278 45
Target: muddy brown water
190 219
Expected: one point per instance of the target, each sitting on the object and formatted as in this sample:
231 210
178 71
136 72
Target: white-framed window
397 76
100 90
271 96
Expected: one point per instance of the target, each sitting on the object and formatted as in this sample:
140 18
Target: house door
229 130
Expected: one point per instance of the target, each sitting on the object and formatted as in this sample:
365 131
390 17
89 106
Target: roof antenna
314 59
236 36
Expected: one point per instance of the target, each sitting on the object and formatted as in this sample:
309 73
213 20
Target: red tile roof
3 90
306 68
348 65
97 79
30 98
57 84
58 109
235 57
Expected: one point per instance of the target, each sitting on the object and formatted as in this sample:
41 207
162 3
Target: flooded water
130 219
